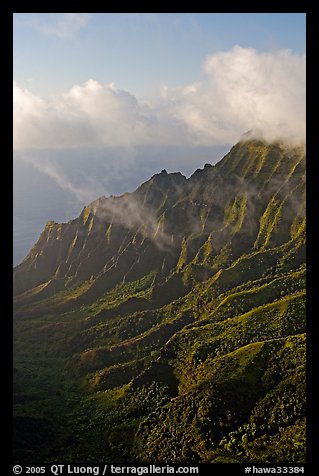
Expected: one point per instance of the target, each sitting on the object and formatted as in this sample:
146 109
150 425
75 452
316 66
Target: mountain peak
202 172
164 179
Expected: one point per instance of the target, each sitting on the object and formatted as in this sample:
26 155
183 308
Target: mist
56 184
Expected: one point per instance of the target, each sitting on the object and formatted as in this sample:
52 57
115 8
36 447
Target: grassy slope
196 355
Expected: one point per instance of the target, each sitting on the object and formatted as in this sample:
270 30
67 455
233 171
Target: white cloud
47 124
241 90
91 114
245 90
66 25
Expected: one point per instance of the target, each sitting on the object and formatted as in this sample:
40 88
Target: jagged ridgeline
168 324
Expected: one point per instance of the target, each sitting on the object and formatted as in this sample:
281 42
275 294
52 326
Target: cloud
246 90
240 90
66 26
92 114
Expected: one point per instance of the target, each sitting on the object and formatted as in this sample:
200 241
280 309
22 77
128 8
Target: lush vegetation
168 325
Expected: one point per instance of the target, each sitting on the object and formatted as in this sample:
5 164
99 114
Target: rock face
181 306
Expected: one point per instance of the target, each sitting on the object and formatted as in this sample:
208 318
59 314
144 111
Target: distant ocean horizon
28 228
25 234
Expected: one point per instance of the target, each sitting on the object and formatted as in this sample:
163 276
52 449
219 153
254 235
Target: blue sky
138 52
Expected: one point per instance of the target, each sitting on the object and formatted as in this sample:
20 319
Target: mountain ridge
143 190
182 292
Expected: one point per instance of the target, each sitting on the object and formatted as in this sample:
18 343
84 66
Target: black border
283 6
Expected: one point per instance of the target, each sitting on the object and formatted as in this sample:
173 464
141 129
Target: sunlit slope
172 319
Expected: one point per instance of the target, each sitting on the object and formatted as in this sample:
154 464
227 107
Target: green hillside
168 324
